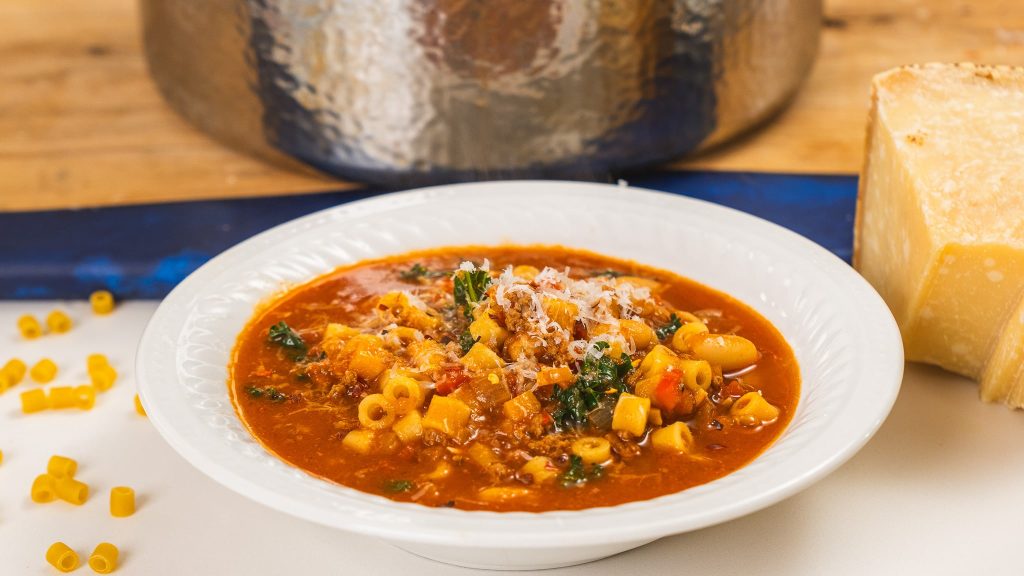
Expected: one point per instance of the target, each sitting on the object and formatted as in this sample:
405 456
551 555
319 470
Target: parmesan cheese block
940 217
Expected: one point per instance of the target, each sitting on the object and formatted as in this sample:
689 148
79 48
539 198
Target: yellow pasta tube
60 466
360 441
376 412
592 450
404 393
34 401
561 312
70 490
102 302
58 322
679 339
753 406
16 368
488 331
103 377
675 437
138 406
630 414
696 373
44 489
94 361
63 397
122 501
541 469
43 371
448 415
6 381
525 272
85 396
729 351
103 559
409 428
29 327
638 332
62 557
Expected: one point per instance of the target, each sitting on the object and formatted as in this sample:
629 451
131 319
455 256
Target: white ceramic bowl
845 339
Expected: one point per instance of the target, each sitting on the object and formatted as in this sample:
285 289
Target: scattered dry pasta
103 559
122 501
61 466
16 369
94 361
138 406
34 401
43 371
63 397
44 489
85 396
29 327
58 322
103 377
102 302
72 491
62 557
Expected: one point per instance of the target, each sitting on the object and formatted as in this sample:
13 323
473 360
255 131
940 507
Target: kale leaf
469 287
418 271
578 474
282 335
396 486
596 377
674 323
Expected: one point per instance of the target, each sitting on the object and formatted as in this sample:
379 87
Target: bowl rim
555 529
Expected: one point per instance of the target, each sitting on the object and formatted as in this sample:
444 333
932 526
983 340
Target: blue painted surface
144 251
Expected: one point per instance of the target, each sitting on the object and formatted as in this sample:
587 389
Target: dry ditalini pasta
43 371
103 559
62 557
58 322
102 302
122 501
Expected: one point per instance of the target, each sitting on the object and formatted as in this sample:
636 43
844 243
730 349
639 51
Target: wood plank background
81 123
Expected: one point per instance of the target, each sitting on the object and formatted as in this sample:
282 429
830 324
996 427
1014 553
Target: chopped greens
609 273
396 486
466 340
469 287
578 474
282 335
674 323
268 392
597 377
418 271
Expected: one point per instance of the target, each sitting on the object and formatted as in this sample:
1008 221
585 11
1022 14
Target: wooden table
81 123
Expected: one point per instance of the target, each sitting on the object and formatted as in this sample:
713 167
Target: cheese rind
940 217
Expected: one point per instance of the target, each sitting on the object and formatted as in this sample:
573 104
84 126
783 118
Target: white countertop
939 490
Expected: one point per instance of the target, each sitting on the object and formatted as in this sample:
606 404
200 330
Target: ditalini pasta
58 322
61 466
29 327
103 377
71 490
103 559
102 302
122 501
43 371
62 557
512 379
44 489
34 401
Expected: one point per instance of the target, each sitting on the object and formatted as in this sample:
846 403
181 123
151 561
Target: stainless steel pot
410 92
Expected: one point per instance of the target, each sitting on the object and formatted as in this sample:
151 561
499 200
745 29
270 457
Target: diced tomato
451 378
733 389
668 393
